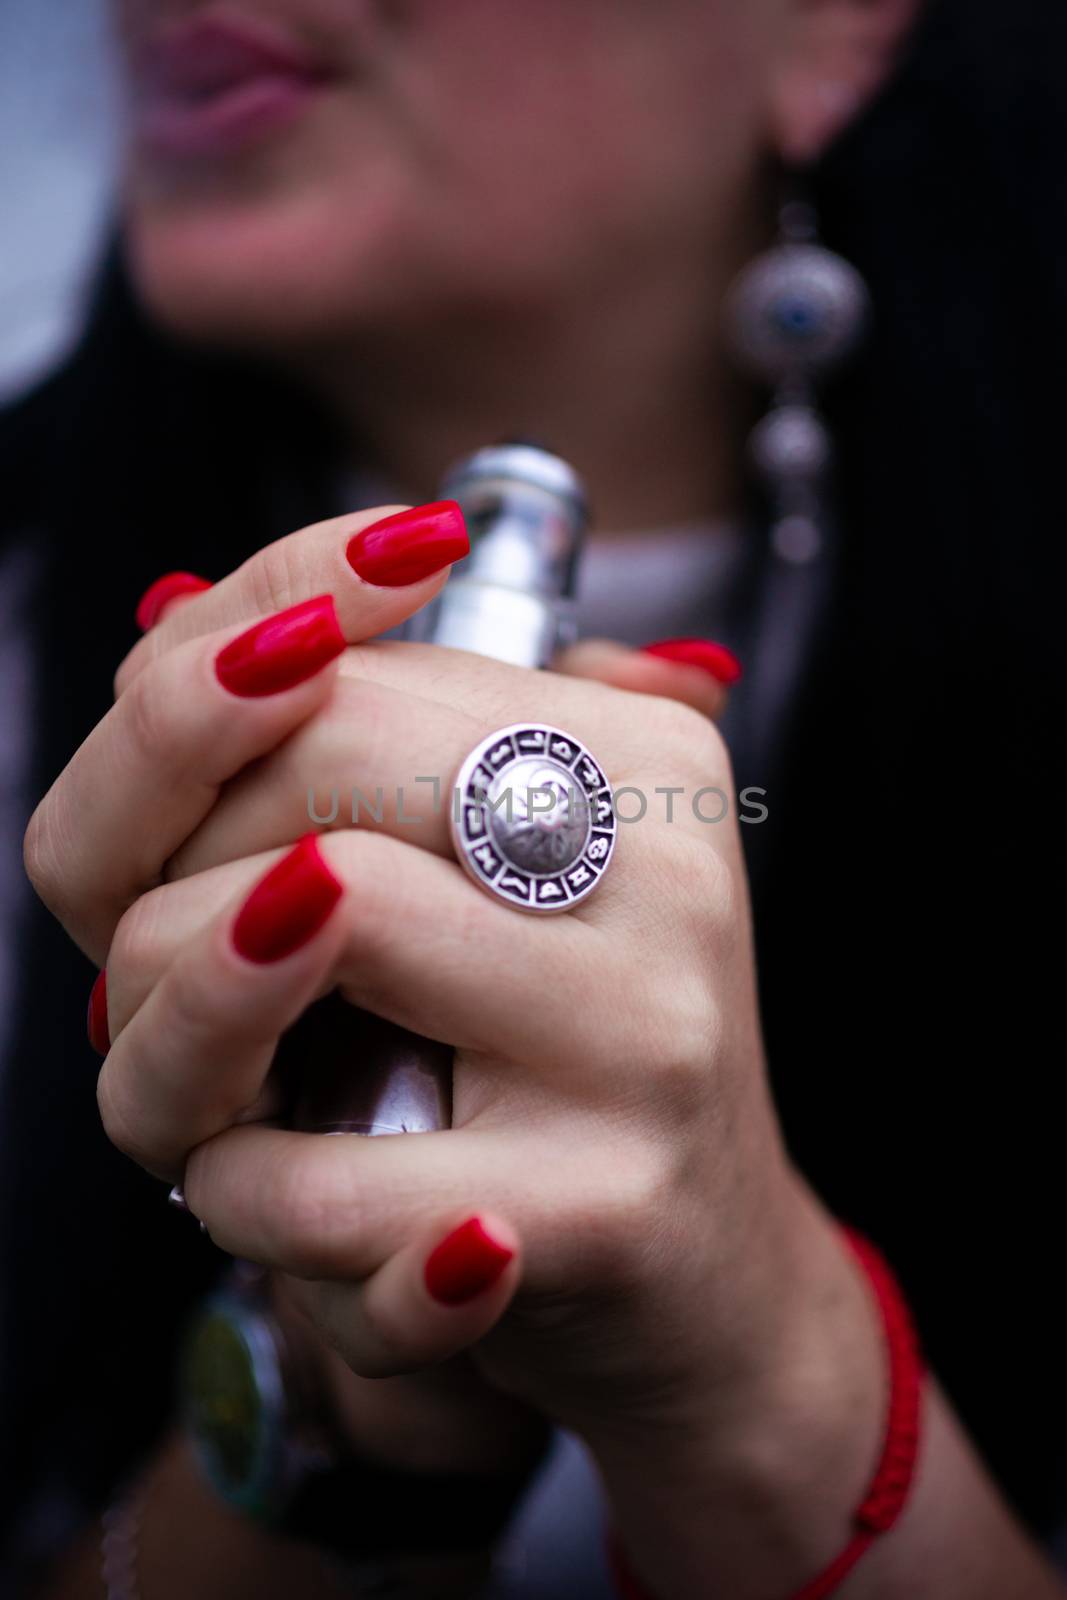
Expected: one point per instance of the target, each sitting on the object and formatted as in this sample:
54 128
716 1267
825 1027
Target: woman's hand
611 1119
153 768
599 1053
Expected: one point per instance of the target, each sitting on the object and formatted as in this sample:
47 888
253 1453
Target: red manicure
281 651
410 545
710 657
158 595
466 1263
96 1017
288 907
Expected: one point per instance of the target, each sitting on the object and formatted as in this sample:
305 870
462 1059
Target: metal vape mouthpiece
512 597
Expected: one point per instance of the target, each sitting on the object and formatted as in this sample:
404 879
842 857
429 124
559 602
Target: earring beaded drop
792 315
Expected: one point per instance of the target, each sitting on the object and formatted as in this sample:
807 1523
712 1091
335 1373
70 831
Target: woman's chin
285 261
251 277
275 249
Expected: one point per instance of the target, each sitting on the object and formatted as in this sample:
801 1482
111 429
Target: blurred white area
56 159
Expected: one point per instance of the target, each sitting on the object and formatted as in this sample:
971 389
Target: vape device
511 598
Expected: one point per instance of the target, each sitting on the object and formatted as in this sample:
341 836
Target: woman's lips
209 86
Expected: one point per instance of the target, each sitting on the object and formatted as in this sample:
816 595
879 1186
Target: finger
413 941
376 758
152 769
697 678
195 1056
380 566
192 1058
335 1210
432 1299
384 757
339 1209
387 749
419 940
427 949
625 738
170 590
386 752
163 923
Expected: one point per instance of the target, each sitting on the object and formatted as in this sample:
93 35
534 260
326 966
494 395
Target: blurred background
56 154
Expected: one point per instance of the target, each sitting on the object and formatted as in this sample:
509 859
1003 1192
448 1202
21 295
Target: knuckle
631 1218
140 656
130 937
41 854
715 893
683 726
711 920
691 740
148 718
134 955
681 1037
682 1079
199 1026
650 1215
720 910
705 893
278 576
116 1118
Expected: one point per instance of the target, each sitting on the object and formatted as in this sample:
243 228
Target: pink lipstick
210 85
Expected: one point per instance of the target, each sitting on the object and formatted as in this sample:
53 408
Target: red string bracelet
884 1501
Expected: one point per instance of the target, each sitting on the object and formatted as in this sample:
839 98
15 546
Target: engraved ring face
532 818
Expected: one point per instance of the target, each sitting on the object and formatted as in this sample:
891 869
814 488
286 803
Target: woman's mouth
209 86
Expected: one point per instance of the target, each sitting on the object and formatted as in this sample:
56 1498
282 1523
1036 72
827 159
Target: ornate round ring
532 818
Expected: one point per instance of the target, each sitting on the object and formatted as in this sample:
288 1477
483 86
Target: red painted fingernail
722 664
281 651
162 592
288 907
96 1017
410 545
466 1263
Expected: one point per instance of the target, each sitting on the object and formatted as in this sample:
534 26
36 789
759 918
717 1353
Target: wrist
754 1479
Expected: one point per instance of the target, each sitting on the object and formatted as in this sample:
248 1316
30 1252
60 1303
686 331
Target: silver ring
532 818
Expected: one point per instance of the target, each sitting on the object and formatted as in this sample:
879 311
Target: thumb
434 1298
698 672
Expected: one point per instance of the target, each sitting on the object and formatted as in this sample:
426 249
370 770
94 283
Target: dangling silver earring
793 314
